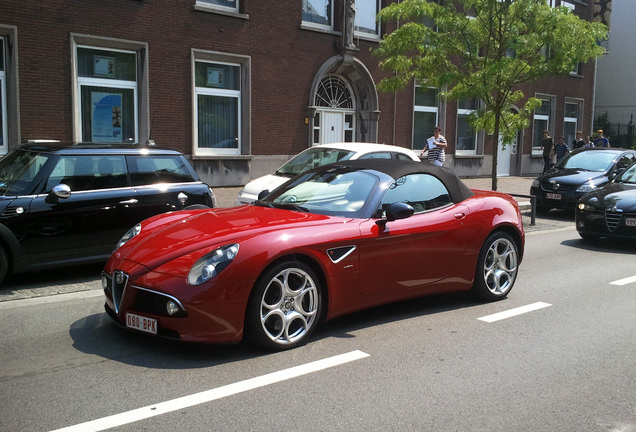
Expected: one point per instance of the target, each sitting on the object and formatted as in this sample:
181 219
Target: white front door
503 159
332 127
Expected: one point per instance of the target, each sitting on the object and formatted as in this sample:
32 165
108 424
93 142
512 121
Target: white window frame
548 118
363 34
317 26
100 82
465 112
574 120
244 62
4 147
207 5
423 108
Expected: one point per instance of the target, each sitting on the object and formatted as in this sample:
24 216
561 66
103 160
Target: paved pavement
85 280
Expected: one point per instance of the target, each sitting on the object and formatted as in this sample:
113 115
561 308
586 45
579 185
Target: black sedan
611 210
578 173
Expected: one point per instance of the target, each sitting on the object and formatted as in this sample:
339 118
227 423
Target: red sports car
333 240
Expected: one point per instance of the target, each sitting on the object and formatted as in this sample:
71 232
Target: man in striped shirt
436 147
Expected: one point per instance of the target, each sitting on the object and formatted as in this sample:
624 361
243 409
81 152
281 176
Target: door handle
130 201
460 215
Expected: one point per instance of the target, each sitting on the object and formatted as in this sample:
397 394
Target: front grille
612 219
118 284
549 187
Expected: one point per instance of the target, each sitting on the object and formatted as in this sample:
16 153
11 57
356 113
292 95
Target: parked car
333 240
578 173
611 210
69 204
317 156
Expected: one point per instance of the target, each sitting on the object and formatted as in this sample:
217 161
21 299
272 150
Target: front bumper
613 224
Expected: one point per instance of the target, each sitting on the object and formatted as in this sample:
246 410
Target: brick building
241 85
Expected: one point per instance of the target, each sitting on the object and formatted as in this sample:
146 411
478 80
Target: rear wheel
284 307
496 267
4 264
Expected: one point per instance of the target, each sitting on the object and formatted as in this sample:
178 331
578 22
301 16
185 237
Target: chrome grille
613 218
119 282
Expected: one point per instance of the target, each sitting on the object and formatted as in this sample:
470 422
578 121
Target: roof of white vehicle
366 147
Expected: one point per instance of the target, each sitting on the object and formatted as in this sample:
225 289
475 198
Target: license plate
630 222
143 324
553 196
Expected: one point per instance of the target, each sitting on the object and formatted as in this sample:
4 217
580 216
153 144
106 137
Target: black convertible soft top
399 168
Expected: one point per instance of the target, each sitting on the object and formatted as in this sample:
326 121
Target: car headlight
212 264
586 187
536 183
134 231
588 205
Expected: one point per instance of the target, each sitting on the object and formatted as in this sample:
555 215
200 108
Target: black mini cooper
69 204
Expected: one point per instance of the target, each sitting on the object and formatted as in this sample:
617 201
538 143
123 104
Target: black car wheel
4 264
496 267
284 307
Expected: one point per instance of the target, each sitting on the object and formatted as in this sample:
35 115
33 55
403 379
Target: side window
379 155
401 156
82 173
158 169
625 161
422 191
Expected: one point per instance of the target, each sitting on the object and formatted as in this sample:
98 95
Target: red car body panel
428 253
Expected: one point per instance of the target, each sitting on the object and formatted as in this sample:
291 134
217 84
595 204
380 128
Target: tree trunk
495 152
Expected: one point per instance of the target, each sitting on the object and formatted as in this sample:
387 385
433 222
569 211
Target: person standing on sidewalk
561 149
548 149
579 142
601 141
436 147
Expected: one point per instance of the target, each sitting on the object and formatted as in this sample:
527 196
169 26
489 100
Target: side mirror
262 194
397 210
60 191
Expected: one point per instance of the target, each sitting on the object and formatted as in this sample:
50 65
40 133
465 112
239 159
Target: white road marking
514 312
213 394
624 281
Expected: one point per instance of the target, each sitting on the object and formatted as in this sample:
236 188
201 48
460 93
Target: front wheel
284 307
4 264
496 267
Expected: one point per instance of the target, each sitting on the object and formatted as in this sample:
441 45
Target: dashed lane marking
213 394
514 312
625 281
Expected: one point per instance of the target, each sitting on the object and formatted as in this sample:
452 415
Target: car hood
267 182
621 195
177 234
573 176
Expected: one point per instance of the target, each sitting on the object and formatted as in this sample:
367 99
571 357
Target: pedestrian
561 149
600 140
547 145
436 147
578 142
589 143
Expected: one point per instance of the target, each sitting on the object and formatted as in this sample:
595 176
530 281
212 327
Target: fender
14 250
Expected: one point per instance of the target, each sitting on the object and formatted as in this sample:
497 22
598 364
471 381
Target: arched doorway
343 103
334 120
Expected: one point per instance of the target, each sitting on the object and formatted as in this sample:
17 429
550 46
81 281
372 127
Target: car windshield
331 193
588 160
629 176
18 170
313 158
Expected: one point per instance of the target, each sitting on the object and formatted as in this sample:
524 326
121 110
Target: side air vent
338 254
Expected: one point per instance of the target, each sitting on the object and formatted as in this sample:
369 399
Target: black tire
284 307
4 264
497 267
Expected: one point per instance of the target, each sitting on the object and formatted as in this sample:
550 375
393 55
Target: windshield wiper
290 206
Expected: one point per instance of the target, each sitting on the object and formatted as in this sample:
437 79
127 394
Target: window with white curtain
218 108
541 121
228 5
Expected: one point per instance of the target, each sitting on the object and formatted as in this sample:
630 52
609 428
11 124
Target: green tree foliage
485 49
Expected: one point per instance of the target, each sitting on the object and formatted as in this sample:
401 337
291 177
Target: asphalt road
439 363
